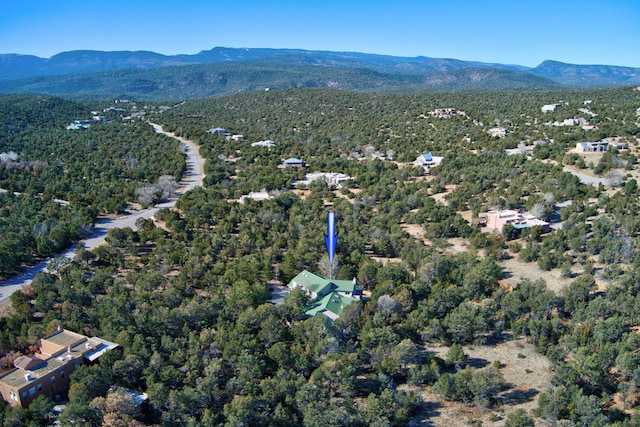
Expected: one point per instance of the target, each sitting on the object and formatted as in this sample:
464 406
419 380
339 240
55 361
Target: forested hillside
96 170
205 80
15 67
187 296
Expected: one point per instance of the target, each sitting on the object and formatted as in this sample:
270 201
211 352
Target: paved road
585 178
192 178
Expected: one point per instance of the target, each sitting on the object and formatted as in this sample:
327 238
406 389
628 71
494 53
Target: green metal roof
309 282
331 305
317 284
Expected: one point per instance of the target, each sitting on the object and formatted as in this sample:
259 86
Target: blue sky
504 31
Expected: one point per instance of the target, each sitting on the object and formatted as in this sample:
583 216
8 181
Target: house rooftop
332 305
293 160
57 349
314 283
27 362
64 338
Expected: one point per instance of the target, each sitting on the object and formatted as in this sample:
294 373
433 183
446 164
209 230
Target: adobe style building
592 147
47 372
498 219
331 178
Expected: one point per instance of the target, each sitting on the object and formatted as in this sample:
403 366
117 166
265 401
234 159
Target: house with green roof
331 305
317 286
329 296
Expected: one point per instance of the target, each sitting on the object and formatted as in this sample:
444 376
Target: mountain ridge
216 79
404 74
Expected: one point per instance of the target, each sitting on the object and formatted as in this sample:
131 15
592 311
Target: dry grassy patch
527 373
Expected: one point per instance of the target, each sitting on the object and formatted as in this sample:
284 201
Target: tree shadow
427 410
477 362
491 340
517 397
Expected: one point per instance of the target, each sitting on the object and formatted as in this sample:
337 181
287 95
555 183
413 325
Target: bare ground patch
384 260
6 308
440 197
455 245
515 270
416 231
526 371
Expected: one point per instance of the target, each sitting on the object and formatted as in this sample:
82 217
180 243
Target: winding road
192 178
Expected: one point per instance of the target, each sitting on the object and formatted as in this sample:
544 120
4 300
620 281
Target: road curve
585 178
191 179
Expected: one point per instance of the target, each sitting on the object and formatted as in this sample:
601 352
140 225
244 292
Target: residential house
592 147
294 163
552 107
498 219
499 132
574 122
318 287
79 125
446 112
267 143
219 131
47 372
521 149
331 178
259 196
427 160
330 297
331 305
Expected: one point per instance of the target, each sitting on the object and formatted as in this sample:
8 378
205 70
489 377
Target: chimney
27 376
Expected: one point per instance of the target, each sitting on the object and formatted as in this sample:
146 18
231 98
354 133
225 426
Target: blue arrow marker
331 238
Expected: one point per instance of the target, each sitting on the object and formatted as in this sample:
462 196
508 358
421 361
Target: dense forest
43 165
187 295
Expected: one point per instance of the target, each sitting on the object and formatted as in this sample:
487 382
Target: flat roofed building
331 178
47 372
498 219
267 143
592 147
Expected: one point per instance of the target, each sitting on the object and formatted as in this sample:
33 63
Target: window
32 391
39 387
53 379
24 394
13 395
62 374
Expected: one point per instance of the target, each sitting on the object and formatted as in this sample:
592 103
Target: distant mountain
588 75
13 66
87 72
206 80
